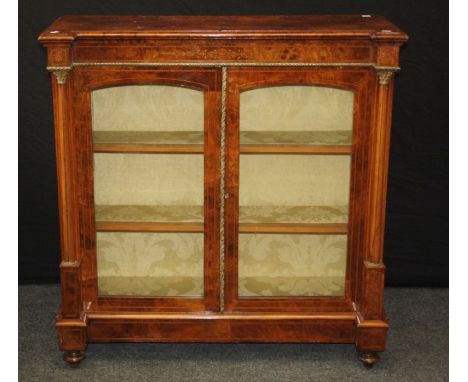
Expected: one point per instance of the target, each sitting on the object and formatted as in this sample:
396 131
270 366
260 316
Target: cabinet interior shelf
148 142
251 142
252 219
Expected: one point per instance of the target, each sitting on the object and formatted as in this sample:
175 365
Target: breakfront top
70 28
334 40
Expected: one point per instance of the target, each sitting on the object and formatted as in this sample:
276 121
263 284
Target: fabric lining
147 108
150 264
296 108
292 265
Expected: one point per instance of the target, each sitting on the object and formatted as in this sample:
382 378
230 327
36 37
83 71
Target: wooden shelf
296 142
243 228
139 218
293 228
188 142
251 142
253 219
148 227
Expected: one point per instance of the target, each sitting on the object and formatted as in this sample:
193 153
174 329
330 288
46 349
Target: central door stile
223 195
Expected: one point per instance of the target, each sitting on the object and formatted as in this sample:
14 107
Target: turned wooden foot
369 359
73 357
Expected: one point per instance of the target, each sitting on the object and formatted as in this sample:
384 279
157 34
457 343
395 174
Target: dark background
416 245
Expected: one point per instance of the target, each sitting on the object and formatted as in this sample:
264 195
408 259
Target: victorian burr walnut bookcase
222 179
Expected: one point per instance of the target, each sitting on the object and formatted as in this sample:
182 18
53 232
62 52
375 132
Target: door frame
83 81
361 81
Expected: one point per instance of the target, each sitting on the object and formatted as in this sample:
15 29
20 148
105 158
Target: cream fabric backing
291 265
296 108
148 179
150 264
273 188
147 107
295 188
294 180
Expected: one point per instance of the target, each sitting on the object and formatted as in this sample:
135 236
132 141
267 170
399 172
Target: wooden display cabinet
222 179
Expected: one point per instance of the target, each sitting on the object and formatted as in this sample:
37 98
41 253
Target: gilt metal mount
60 72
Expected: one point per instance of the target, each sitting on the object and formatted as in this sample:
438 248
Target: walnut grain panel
72 337
223 330
224 50
373 288
59 55
294 331
71 290
372 338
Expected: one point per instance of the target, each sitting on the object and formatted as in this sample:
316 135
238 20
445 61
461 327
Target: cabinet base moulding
218 327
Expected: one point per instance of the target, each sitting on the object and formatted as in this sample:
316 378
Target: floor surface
417 350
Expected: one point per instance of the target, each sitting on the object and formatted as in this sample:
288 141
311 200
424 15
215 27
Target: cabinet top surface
69 28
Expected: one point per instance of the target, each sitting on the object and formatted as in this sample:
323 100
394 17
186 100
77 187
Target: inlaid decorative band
222 186
384 75
233 64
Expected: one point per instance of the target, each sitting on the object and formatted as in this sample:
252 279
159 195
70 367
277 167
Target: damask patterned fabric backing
292 265
296 108
150 264
149 188
147 108
294 189
294 180
147 179
273 189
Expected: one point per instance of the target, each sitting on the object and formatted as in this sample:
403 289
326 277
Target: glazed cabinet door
296 156
148 164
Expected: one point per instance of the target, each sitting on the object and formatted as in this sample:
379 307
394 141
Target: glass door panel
150 264
294 191
147 108
149 190
294 188
278 265
296 116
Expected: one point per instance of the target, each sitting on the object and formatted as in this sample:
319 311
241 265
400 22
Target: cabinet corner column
372 267
60 66
71 322
378 165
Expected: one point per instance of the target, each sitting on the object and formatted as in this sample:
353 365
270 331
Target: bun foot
369 359
73 358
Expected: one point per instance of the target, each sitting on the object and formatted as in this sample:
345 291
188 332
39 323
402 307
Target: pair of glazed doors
221 188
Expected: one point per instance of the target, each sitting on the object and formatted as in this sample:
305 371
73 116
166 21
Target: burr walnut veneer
222 179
